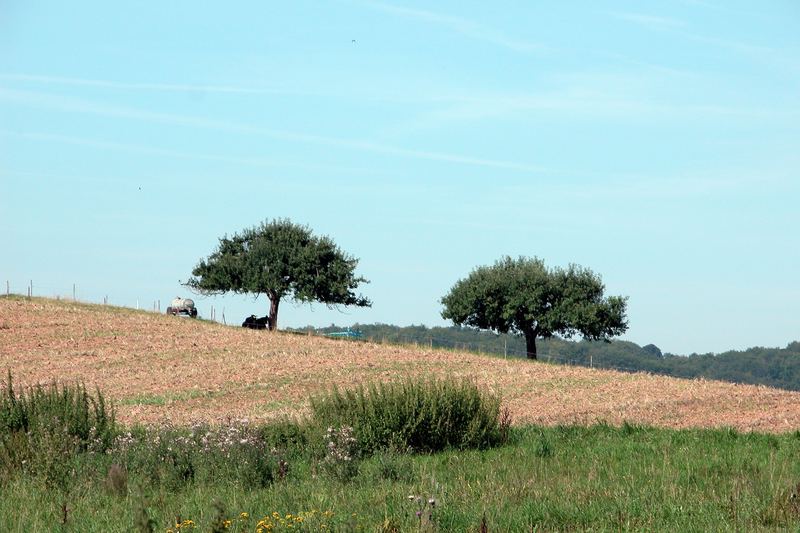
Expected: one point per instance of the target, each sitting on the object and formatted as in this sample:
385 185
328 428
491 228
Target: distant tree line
774 367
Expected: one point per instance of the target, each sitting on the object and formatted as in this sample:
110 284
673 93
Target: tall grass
598 478
236 476
422 416
44 427
69 408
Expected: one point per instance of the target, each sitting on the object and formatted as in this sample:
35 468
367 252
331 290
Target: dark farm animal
256 323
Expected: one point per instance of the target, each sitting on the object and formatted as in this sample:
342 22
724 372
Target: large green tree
524 297
280 259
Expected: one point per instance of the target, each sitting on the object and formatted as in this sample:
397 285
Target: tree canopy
524 297
280 259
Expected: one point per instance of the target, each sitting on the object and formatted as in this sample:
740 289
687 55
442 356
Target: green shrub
43 428
66 407
285 436
421 416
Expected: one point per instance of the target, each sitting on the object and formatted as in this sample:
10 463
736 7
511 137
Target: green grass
598 478
166 399
66 466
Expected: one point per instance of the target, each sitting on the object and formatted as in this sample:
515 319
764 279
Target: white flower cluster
201 437
122 443
341 445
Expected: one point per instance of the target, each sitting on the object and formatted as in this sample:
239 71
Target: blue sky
657 143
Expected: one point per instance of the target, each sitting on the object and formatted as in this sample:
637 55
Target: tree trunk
273 312
530 344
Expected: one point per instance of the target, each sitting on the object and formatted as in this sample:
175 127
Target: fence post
8 288
73 292
31 293
159 306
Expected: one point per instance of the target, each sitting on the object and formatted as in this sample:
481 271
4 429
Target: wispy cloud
465 27
652 22
782 58
136 86
593 97
649 186
161 152
65 104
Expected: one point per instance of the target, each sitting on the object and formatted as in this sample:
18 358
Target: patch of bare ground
157 366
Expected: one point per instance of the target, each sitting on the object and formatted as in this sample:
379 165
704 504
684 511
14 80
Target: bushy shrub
285 436
69 407
421 416
44 427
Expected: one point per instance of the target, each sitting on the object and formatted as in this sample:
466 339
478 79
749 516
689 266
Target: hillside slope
161 367
773 367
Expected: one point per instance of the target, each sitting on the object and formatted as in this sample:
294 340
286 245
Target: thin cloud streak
392 94
163 87
459 25
782 58
149 150
651 21
584 104
81 106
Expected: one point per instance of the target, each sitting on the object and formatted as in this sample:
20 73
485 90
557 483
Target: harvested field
157 367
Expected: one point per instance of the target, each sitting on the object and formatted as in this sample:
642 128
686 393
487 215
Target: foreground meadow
157 367
186 425
597 478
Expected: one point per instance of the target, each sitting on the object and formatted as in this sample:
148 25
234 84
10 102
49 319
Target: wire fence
74 293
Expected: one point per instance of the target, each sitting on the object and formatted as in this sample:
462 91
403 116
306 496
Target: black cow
256 323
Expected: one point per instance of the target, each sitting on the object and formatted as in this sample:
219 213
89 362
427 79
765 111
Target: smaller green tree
524 297
280 259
